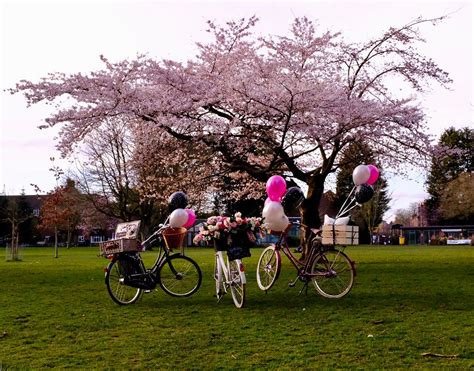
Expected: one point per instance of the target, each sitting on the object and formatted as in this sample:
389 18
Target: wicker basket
118 246
174 238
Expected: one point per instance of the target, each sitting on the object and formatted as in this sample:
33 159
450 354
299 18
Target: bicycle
230 274
330 270
127 278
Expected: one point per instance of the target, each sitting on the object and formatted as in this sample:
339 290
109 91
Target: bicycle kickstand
305 288
293 283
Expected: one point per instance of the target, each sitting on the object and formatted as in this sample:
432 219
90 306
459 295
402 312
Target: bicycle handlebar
155 234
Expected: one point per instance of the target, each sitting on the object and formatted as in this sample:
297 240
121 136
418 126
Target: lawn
410 307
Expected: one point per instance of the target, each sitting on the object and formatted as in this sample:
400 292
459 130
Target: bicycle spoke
268 268
333 274
180 276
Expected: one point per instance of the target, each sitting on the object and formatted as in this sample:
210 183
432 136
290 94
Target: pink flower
212 220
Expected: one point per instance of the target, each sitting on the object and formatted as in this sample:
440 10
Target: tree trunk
14 241
68 237
310 208
56 254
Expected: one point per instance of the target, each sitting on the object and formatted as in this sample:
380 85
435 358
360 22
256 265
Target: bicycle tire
336 276
187 279
120 293
237 283
268 268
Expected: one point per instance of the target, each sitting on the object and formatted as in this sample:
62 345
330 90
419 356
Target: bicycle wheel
334 274
120 293
218 278
179 276
237 282
268 268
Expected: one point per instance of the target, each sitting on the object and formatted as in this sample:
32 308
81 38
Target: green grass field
407 301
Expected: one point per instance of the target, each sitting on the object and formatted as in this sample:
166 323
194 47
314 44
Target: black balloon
363 193
177 200
292 199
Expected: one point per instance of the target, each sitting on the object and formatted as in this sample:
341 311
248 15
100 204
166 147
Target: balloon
361 174
178 218
276 187
177 200
273 211
374 174
191 218
279 225
292 199
267 201
363 193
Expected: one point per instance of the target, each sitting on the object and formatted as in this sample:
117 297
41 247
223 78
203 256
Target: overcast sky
40 37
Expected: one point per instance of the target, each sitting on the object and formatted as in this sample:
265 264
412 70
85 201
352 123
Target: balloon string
341 210
347 211
344 204
344 211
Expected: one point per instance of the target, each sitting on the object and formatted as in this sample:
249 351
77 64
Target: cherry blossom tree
61 210
262 105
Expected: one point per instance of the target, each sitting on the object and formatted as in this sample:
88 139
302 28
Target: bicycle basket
117 246
238 252
174 238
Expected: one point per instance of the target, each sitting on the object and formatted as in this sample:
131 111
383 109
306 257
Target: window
97 239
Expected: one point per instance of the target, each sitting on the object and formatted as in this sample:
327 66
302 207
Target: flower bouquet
230 233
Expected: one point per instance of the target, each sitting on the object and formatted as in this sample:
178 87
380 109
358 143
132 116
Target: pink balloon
191 218
276 187
267 201
374 174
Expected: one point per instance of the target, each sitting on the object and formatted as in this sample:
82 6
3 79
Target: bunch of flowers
225 227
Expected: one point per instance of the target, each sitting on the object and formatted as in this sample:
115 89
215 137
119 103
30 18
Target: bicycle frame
162 258
229 274
302 267
224 269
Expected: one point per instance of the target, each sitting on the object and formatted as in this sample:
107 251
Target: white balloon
273 210
361 174
279 225
178 218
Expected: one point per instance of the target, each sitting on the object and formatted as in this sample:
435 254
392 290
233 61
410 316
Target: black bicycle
127 278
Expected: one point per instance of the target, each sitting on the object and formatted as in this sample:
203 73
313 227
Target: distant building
438 235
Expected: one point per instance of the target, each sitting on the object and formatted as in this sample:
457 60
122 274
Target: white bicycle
230 274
